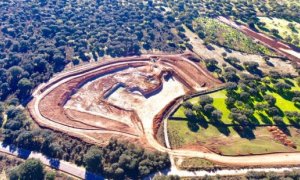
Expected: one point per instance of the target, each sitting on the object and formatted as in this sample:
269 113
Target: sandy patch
147 108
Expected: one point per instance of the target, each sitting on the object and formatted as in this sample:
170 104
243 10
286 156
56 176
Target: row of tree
119 160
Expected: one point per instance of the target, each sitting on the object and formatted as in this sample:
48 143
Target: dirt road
63 166
81 173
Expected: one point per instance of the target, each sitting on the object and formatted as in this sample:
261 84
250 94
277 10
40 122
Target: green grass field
224 35
181 136
225 139
284 31
262 117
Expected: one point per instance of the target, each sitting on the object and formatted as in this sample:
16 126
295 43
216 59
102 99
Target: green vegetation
30 169
246 11
287 31
213 31
283 103
193 164
42 37
227 144
119 160
231 121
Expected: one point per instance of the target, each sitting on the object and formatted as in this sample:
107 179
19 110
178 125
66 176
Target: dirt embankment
77 102
157 121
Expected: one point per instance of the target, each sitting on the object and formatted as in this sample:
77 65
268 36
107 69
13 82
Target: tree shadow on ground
295 123
289 82
54 163
269 88
265 119
253 120
270 64
287 95
236 66
222 128
283 127
201 121
264 29
24 154
281 113
245 132
258 98
297 105
92 176
256 72
197 121
277 36
194 127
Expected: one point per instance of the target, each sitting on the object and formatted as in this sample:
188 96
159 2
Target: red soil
51 105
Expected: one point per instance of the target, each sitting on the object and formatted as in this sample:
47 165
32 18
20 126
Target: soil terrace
117 96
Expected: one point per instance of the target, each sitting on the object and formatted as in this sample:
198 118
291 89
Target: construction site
117 97
130 99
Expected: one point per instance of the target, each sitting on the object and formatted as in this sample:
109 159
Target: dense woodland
40 37
243 10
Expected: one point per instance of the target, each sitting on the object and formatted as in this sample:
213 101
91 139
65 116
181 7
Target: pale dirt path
63 166
81 172
225 172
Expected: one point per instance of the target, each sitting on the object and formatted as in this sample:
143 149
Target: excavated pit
119 96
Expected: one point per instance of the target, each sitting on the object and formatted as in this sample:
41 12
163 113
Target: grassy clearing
181 136
227 140
285 32
219 103
262 117
224 35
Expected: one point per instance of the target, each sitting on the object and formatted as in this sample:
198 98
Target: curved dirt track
44 89
87 72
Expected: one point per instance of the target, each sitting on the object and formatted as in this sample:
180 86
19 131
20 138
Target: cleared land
221 34
88 73
287 30
281 48
181 137
113 98
202 51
